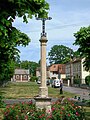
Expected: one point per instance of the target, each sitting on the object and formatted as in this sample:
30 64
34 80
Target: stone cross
43 40
43 25
43 101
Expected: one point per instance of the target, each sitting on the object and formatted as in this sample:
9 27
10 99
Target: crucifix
42 100
43 25
43 40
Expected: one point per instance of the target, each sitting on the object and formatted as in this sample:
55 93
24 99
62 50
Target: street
83 93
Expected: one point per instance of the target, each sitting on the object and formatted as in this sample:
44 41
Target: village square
45 76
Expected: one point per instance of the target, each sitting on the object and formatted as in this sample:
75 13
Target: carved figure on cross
43 25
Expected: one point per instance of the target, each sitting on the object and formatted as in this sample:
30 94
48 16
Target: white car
56 83
38 82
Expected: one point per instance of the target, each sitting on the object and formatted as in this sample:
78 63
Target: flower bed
66 110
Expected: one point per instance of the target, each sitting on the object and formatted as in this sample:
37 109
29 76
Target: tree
28 65
60 54
83 41
9 53
87 80
11 37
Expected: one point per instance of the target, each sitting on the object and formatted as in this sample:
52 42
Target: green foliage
33 78
2 104
83 41
60 54
9 53
11 37
88 103
87 80
76 81
23 111
7 70
28 65
66 110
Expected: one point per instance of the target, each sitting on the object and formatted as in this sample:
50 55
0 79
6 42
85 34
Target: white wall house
84 73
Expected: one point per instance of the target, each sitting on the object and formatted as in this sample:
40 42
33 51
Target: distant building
57 71
69 71
54 71
21 75
38 73
76 70
79 70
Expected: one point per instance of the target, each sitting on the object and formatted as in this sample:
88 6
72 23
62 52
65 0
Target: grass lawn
87 109
28 90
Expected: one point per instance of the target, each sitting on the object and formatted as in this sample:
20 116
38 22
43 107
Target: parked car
56 83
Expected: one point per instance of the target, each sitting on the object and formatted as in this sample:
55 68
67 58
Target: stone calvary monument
43 101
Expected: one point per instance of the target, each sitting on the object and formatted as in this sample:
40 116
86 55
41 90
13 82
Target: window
24 77
17 77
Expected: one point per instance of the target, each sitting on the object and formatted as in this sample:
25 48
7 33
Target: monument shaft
43 89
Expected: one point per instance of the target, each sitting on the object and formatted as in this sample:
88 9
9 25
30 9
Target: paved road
83 93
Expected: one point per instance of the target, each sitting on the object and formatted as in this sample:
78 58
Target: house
38 72
79 70
21 75
54 71
76 71
69 71
57 71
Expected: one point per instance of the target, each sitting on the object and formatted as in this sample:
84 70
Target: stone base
43 92
43 103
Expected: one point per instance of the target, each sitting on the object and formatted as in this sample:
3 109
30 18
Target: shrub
88 103
23 111
68 110
65 110
87 80
33 78
76 81
2 104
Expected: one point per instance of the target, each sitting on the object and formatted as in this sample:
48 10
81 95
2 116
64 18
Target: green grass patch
19 90
87 112
28 90
55 93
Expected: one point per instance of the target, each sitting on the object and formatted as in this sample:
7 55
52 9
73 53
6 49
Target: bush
87 80
88 103
2 104
23 111
66 110
33 78
77 81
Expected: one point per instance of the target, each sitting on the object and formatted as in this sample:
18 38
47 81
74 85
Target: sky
68 16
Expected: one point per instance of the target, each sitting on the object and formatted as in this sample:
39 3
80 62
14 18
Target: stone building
21 75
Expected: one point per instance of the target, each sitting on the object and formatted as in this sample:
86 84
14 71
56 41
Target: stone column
43 89
21 78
